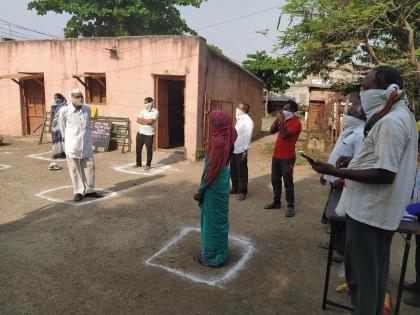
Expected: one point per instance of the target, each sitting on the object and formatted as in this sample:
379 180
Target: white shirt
390 145
75 128
148 130
244 126
348 145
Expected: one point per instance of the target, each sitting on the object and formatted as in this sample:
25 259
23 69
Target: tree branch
411 45
369 47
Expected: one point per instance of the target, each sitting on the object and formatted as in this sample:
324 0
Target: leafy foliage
363 33
215 48
118 17
277 73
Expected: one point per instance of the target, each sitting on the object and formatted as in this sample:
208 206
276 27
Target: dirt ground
57 258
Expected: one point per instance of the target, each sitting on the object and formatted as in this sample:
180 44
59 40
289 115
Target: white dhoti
82 174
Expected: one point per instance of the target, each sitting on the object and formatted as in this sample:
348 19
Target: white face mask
350 122
288 115
77 101
149 105
239 113
374 100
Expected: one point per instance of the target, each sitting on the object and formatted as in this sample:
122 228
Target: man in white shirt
75 129
147 121
379 181
239 161
348 144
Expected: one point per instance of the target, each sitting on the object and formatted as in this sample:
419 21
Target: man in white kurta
75 128
379 182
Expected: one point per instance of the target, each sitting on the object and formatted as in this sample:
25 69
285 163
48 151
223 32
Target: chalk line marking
4 167
245 243
41 156
43 194
154 170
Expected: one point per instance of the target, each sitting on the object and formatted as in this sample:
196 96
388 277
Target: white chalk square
176 257
154 169
45 156
4 167
64 194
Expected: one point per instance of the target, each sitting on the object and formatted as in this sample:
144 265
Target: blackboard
101 133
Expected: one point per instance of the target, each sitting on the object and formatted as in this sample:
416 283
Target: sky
236 38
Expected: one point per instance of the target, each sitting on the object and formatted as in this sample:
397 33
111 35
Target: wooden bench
120 132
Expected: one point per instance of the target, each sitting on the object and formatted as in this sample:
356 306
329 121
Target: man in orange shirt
288 125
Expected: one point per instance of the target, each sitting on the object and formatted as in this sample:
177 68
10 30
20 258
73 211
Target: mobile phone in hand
310 160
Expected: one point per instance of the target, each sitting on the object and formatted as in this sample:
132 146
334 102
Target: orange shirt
286 148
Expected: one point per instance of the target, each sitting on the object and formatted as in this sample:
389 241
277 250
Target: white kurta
75 128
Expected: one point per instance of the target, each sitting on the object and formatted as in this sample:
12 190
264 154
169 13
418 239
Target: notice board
101 133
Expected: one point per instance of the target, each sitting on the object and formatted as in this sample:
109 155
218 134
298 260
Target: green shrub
199 154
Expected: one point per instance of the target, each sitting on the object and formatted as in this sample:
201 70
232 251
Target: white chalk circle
45 195
45 156
4 167
246 246
154 170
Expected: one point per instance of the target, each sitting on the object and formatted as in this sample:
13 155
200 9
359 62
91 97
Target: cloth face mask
77 101
149 105
288 115
374 100
239 113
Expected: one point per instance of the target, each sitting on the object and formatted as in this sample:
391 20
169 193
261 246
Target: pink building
185 77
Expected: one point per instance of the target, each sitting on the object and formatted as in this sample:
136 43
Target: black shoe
413 301
290 212
324 245
233 192
337 258
272 206
241 197
413 288
77 197
94 195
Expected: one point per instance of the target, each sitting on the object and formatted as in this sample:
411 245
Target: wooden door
34 100
211 105
163 121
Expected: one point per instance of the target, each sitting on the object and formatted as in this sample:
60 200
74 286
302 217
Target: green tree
118 17
360 33
215 48
276 73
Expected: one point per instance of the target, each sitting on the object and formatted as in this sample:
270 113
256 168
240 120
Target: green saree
215 218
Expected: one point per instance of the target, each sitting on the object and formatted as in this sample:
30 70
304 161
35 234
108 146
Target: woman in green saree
213 193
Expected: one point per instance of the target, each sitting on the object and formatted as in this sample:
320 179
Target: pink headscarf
222 138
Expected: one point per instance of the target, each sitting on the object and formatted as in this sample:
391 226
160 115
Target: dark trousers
239 173
283 169
339 240
367 265
417 259
339 228
142 140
